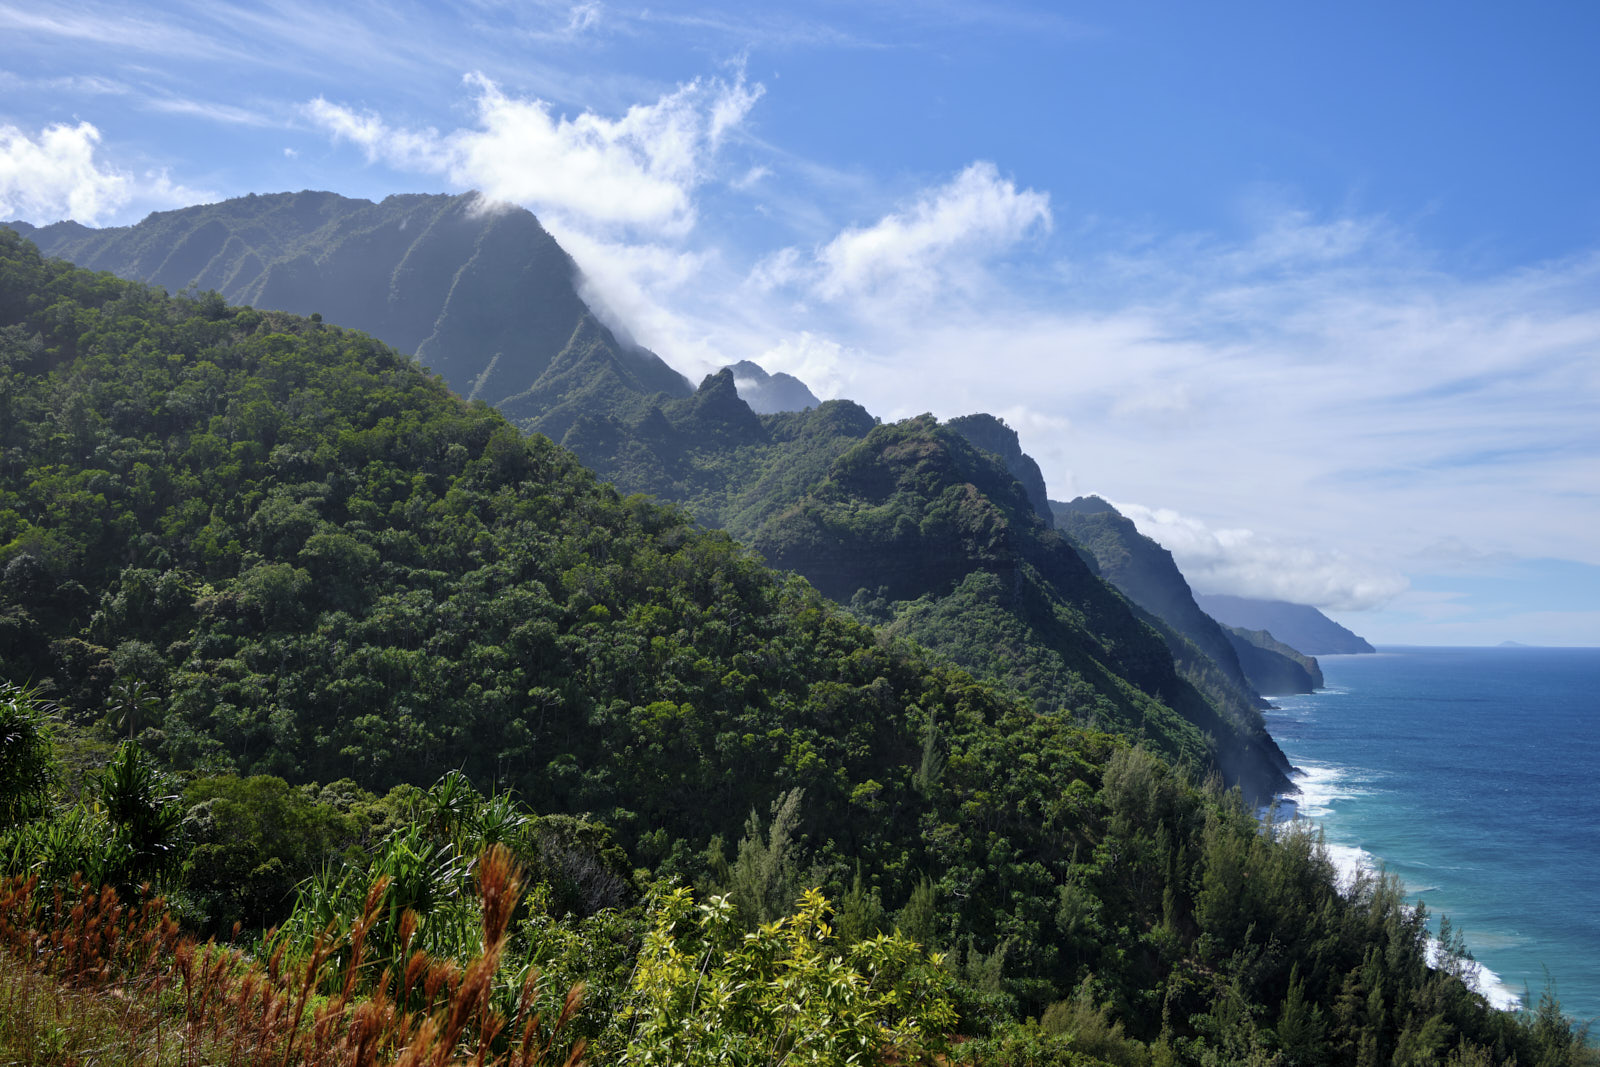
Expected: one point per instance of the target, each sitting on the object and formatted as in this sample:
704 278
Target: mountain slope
323 564
912 524
1146 573
480 294
768 394
1231 667
916 524
327 566
1272 666
1297 625
708 450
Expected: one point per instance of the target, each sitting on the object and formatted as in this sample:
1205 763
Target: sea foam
1481 980
1321 786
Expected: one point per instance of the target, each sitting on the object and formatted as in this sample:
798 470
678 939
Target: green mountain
922 531
1229 666
328 566
1147 575
322 564
488 299
1298 625
1272 666
919 530
479 293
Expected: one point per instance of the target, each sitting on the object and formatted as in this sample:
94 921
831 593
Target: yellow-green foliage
704 994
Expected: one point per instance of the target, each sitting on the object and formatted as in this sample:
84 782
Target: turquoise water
1472 774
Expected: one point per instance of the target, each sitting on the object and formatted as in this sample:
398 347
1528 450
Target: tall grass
87 978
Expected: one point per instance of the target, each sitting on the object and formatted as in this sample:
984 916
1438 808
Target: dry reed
90 979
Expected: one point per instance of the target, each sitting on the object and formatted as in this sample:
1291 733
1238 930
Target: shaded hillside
483 296
1231 667
1147 575
1272 666
924 560
916 527
1297 625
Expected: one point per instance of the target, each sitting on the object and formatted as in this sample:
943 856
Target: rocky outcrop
992 435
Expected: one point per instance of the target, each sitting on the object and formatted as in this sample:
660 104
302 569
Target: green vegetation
487 299
479 293
279 555
920 531
1271 665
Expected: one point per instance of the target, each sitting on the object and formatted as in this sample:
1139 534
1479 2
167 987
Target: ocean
1471 773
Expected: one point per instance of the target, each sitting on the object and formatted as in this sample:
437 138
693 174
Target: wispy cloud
104 25
227 114
74 85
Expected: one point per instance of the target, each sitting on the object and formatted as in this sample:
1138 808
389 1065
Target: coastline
1351 860
1466 772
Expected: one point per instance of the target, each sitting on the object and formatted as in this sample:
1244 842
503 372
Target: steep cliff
479 293
1301 626
1272 666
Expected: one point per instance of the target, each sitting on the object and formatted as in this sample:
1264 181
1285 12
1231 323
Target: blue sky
1311 294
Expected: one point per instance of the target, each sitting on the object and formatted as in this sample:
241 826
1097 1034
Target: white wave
1482 980
1349 861
1321 785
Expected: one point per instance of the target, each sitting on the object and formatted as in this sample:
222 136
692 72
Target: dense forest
921 530
482 295
296 637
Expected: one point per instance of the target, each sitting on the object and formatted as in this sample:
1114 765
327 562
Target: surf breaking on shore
1320 786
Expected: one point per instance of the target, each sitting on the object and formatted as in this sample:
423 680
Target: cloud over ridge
1241 562
637 171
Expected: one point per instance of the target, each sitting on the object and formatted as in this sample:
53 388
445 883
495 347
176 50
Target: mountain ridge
1301 626
479 293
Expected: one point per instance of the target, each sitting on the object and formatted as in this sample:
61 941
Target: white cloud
1243 563
56 176
637 172
936 242
820 362
403 149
